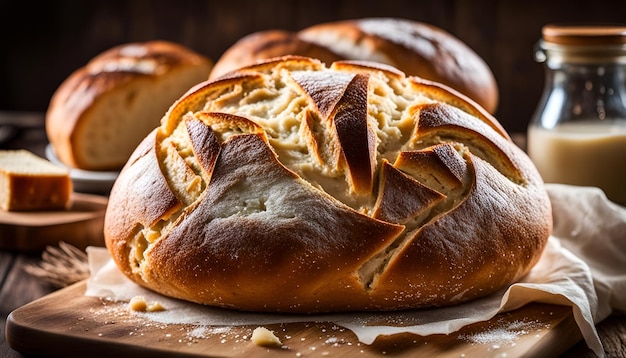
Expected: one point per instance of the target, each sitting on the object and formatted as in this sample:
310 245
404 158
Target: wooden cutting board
81 225
67 323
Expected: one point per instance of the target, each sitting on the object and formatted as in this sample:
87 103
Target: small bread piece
293 186
101 112
262 336
29 182
415 48
139 304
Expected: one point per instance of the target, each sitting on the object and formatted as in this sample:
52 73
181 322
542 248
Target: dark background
42 42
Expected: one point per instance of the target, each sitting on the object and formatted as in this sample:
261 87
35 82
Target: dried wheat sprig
61 266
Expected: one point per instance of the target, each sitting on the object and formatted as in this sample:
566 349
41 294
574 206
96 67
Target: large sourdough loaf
101 112
416 48
295 187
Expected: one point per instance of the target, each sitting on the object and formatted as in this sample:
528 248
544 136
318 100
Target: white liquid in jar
585 153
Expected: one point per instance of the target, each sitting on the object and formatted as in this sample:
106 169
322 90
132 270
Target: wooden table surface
17 287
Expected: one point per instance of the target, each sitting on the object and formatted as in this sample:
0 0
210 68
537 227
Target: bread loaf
101 112
416 48
29 182
294 187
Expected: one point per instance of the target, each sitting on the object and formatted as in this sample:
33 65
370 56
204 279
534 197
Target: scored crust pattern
295 187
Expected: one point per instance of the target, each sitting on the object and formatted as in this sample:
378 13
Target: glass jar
577 134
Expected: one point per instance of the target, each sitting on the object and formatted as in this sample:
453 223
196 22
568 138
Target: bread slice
29 182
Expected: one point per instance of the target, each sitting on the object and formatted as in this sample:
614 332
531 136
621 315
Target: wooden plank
6 260
67 322
612 333
18 288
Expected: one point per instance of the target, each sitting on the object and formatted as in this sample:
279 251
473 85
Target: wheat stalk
61 266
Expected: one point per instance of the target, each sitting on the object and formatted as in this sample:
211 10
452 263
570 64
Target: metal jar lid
582 44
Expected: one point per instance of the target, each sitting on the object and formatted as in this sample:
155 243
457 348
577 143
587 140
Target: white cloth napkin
583 266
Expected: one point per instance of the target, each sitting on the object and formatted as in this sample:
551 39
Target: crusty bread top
100 113
416 48
291 186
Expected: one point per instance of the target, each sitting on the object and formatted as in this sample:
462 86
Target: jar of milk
578 133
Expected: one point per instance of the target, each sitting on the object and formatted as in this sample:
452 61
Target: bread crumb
139 304
155 307
262 336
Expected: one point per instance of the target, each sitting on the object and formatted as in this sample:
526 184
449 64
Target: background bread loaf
415 48
295 187
101 112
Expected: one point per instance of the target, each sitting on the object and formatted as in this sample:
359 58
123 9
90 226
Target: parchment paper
583 266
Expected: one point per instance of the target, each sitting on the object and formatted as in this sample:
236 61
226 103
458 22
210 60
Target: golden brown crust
295 187
416 48
36 193
87 120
